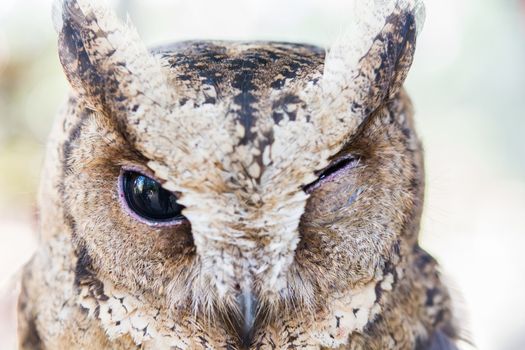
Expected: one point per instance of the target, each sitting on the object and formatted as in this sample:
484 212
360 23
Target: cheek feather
354 196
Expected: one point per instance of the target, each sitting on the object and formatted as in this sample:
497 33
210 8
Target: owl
234 195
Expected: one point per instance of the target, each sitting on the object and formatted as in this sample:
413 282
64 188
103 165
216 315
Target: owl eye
333 170
146 198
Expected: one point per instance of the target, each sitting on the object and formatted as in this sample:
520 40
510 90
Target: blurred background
468 87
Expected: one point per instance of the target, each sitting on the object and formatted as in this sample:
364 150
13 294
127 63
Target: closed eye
332 171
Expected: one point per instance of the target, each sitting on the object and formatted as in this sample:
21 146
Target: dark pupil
148 199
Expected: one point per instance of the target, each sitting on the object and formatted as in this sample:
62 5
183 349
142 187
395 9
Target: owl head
239 178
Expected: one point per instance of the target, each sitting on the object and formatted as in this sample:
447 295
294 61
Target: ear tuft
80 68
368 66
105 60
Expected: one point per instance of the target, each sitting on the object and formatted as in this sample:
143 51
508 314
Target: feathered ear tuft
105 61
369 64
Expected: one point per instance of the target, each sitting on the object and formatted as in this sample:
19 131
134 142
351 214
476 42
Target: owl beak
248 310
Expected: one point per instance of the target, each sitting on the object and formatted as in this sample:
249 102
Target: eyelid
334 168
141 170
338 163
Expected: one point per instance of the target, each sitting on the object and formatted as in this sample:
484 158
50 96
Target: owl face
235 178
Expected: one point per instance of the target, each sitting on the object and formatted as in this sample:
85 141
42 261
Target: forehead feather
245 107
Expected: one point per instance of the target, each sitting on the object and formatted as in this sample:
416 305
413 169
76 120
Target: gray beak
248 309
